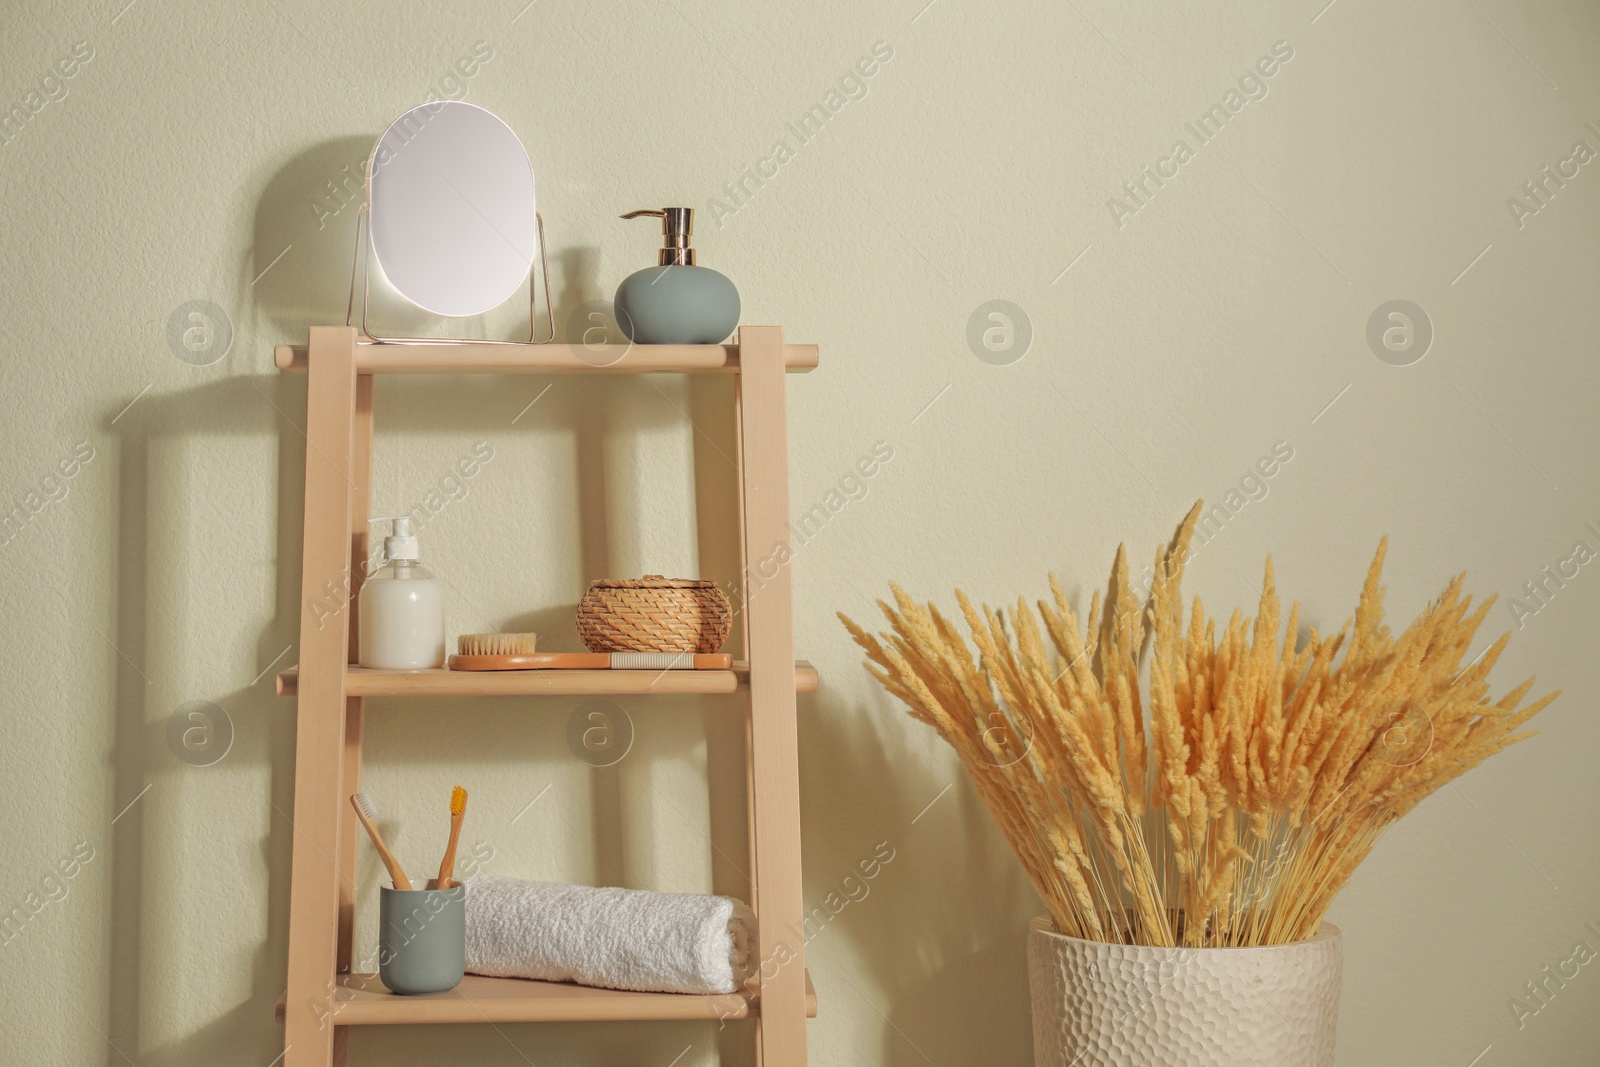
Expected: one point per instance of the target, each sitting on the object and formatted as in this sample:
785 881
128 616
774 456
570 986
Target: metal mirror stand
359 266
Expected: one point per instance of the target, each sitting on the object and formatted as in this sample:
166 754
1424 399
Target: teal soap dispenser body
676 302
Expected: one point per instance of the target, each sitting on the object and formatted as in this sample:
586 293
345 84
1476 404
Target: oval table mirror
450 214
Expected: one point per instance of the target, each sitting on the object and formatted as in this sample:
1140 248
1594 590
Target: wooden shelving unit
323 998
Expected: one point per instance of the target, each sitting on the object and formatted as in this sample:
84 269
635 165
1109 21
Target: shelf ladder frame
339 434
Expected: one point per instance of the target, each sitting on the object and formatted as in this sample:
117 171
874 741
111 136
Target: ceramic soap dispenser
676 302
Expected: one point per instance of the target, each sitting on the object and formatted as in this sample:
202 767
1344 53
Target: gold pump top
677 226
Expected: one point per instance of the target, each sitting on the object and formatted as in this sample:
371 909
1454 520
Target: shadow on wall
942 932
146 633
304 238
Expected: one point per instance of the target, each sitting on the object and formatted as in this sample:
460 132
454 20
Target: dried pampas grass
1227 800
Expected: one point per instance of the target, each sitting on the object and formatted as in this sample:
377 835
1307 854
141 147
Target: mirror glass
451 208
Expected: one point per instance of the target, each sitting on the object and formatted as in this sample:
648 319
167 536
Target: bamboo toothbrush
458 811
367 812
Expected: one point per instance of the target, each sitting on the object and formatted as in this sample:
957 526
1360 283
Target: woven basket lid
652 581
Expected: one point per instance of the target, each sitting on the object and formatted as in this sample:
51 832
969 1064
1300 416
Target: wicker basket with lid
654 614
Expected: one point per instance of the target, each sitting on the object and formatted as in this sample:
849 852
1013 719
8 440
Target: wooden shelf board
545 359
369 682
362 1000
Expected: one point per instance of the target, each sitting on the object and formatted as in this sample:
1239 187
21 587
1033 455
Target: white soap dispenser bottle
401 607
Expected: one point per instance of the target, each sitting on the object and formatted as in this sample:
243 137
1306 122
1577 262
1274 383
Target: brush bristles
365 803
458 801
1224 801
497 644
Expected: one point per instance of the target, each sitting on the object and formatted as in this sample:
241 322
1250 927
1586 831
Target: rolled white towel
612 938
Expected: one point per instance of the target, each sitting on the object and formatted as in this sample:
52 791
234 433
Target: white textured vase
1100 1005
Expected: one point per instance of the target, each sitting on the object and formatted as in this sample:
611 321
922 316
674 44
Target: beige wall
1172 346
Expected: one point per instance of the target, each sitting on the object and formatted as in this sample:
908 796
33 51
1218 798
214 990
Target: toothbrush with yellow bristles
458 811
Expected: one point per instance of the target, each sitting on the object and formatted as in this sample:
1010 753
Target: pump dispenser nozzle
401 544
677 226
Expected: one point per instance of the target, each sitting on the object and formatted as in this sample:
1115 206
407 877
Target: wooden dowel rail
546 359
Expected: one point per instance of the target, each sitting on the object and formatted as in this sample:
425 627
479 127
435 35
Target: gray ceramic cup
422 938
